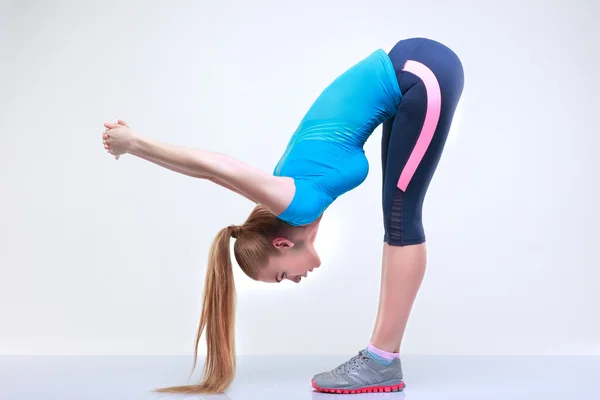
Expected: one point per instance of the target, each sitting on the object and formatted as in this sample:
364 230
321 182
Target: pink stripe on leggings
432 116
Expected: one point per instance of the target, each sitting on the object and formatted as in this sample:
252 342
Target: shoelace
352 363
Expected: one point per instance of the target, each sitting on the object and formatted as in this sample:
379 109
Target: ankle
389 348
384 351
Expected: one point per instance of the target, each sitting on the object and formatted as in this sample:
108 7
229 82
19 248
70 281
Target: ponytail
218 317
252 250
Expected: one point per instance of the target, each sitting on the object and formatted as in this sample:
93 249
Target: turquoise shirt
325 155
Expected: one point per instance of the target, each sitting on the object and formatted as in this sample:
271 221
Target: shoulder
278 193
308 203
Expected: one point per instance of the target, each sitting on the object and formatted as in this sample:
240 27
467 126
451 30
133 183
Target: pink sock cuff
381 353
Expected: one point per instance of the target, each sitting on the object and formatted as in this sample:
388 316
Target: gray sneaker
361 374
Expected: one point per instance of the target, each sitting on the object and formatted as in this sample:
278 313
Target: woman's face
295 259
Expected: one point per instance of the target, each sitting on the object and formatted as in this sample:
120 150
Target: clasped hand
118 138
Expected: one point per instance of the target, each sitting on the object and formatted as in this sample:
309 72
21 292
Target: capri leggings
431 81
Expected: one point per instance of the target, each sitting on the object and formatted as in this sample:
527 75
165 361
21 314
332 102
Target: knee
401 241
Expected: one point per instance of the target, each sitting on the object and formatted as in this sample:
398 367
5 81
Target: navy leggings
431 81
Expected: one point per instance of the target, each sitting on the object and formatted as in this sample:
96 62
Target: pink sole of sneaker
370 389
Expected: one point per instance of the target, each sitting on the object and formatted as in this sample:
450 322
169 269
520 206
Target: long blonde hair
252 250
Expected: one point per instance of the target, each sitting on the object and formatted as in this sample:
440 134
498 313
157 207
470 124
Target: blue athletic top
325 155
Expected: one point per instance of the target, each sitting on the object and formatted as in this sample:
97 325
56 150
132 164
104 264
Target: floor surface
288 378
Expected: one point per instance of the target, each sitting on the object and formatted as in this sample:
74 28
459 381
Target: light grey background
99 256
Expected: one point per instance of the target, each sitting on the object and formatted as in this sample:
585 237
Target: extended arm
273 192
200 176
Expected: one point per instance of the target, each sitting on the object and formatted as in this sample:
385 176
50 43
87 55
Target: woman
413 91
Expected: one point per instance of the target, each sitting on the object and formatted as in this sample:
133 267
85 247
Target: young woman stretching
413 91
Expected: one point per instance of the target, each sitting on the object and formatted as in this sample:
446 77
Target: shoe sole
368 389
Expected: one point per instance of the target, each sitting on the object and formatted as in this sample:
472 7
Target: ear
280 243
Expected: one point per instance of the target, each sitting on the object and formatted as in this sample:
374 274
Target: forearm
176 169
194 175
194 162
